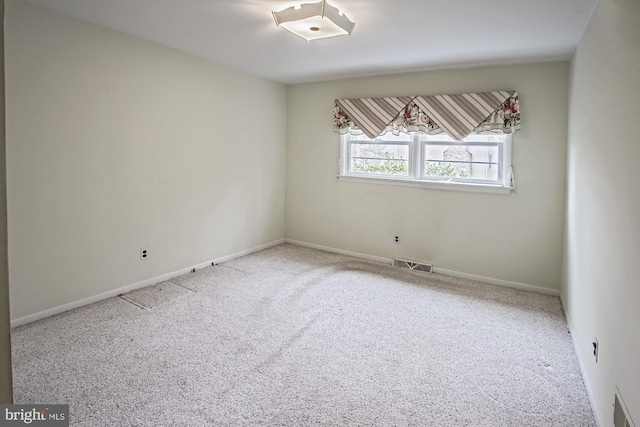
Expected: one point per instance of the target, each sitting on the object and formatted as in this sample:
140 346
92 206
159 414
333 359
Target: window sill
451 186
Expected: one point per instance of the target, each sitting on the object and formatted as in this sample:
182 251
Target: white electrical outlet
144 254
396 239
596 348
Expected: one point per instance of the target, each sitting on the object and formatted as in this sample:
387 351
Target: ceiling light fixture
313 21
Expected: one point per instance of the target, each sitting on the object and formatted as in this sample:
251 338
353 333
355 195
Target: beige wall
516 237
601 288
114 144
6 391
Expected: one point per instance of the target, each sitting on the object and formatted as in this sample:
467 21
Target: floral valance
456 115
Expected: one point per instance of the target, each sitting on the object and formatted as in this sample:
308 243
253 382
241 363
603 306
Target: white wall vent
412 265
621 416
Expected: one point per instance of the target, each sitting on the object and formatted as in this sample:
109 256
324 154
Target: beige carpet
292 336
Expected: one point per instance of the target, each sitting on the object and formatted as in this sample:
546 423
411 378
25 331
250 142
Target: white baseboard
499 282
132 287
585 378
340 251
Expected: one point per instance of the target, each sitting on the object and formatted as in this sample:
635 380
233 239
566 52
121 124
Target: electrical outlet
396 239
144 254
596 347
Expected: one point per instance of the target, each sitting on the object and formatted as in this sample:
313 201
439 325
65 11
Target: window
385 157
480 162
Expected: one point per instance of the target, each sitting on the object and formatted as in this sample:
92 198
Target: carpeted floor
293 336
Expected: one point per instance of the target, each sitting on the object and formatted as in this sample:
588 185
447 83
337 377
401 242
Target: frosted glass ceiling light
313 21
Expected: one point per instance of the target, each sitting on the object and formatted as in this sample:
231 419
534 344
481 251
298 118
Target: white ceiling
390 36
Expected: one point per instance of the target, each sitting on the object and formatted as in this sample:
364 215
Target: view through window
479 159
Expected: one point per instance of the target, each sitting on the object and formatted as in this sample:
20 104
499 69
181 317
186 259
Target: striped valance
456 115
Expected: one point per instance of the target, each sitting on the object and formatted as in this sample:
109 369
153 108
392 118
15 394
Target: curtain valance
456 115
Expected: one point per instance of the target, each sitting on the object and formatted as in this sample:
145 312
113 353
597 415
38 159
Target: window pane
472 162
379 158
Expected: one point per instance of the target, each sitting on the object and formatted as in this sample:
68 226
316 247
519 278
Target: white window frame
416 165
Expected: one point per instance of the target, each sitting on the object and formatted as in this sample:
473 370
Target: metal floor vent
621 416
412 265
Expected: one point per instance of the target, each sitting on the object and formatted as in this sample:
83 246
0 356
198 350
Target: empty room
344 212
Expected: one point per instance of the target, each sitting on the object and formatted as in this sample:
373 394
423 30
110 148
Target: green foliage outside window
388 166
443 169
